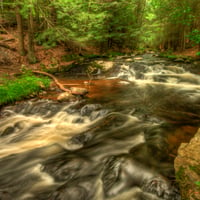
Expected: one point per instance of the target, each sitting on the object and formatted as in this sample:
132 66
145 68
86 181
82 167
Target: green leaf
197 183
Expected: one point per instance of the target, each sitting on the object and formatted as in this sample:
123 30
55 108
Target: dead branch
7 47
9 40
60 85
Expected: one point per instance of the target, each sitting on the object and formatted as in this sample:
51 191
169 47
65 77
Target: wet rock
175 69
89 108
5 195
106 65
122 173
66 96
187 166
179 60
162 188
197 63
8 131
79 91
129 60
96 114
78 120
138 58
52 88
33 95
87 83
43 93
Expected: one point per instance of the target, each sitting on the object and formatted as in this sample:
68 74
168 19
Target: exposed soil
11 62
188 52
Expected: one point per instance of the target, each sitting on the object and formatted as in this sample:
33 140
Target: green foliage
197 183
195 36
114 54
168 54
168 22
114 24
92 56
50 37
27 6
198 53
171 56
70 57
13 90
182 14
83 20
195 168
180 174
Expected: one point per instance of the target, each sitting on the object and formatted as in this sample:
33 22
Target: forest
102 24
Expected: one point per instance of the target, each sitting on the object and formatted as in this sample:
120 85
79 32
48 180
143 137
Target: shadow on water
119 144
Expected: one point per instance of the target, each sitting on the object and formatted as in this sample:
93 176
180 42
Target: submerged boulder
79 91
66 96
187 166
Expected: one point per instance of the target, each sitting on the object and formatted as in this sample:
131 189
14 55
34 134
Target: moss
189 190
21 87
180 174
196 169
181 178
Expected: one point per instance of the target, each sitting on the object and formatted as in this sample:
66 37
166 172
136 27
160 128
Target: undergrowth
21 87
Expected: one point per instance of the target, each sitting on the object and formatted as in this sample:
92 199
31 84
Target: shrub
198 53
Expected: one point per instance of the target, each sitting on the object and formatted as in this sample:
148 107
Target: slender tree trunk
1 10
37 16
53 15
20 31
31 50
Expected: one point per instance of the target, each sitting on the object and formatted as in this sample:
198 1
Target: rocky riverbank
187 165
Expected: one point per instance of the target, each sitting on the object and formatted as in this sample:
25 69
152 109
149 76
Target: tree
31 50
175 20
105 24
20 31
195 37
24 18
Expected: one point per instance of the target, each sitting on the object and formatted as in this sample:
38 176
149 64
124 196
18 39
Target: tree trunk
20 31
31 50
53 15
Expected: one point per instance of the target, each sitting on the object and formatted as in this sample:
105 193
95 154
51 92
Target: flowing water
119 144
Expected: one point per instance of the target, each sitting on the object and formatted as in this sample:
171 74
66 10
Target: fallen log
72 90
7 47
55 80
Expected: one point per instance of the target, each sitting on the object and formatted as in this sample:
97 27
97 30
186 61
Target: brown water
106 89
117 144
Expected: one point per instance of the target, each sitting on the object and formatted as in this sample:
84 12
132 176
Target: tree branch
55 80
7 47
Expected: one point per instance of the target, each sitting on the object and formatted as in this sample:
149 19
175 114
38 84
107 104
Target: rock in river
66 96
79 91
187 166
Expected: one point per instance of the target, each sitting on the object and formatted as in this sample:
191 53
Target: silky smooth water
119 144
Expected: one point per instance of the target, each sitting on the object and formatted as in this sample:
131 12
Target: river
117 144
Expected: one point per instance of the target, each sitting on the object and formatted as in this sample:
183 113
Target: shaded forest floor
188 52
12 63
